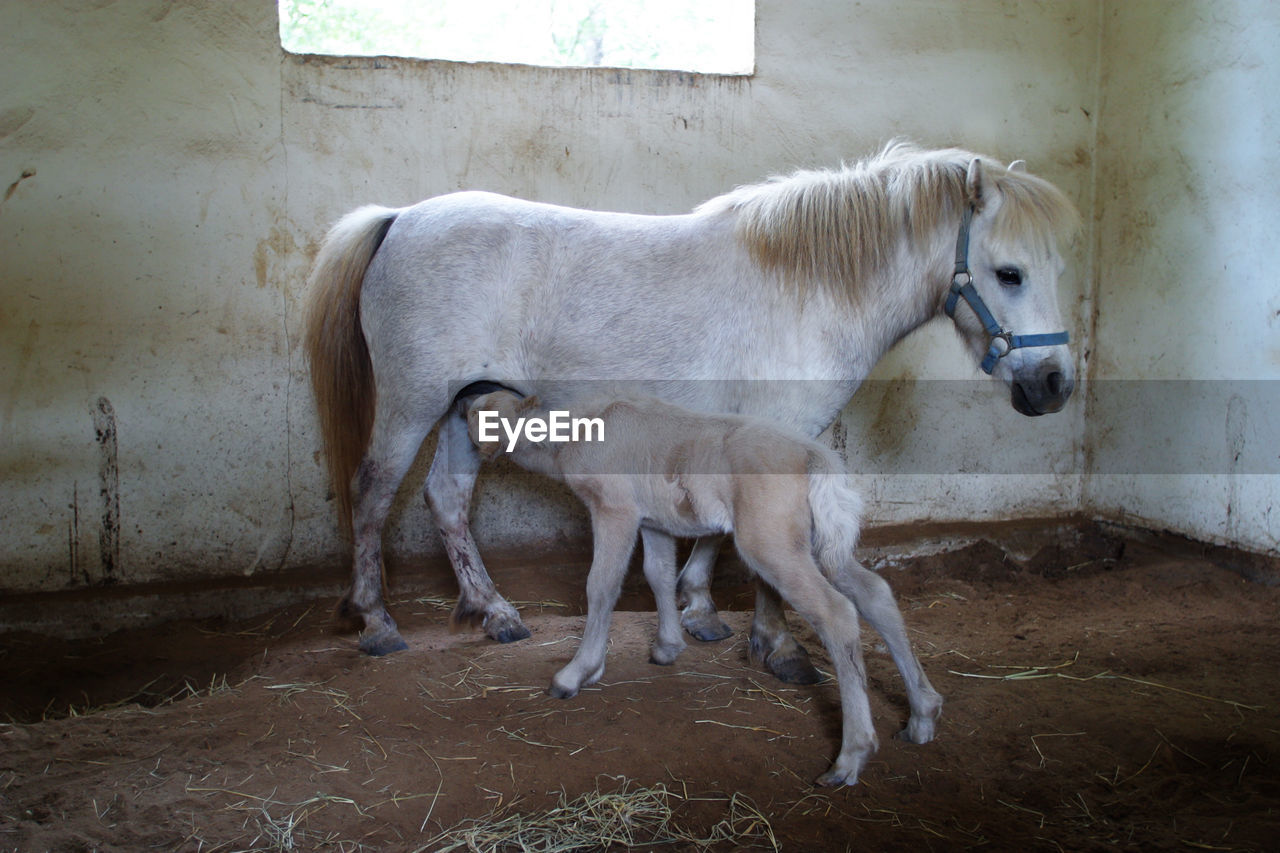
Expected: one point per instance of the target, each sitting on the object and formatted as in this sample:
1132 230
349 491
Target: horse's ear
531 402
1018 166
974 182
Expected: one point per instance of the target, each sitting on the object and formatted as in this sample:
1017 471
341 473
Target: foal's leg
773 643
791 569
392 448
699 616
614 538
872 596
448 494
660 571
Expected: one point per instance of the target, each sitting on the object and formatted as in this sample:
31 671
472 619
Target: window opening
709 36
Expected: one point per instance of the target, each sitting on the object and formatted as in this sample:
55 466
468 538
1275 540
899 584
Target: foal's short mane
835 227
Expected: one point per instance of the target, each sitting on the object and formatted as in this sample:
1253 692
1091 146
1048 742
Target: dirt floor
1111 695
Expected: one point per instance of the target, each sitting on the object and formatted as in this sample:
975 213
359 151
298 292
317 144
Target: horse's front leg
660 572
448 494
699 615
773 643
614 535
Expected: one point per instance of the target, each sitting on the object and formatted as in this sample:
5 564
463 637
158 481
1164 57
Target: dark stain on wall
74 572
104 426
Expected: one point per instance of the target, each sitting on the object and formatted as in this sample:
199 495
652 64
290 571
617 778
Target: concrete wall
1188 299
169 170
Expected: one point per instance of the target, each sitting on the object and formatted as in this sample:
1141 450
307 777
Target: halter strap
1003 341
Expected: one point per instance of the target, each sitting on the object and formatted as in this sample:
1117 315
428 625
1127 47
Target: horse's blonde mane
835 227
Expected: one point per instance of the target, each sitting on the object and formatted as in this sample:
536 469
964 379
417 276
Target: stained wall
169 171
1183 418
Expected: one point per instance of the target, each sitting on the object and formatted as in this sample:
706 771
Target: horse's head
1007 269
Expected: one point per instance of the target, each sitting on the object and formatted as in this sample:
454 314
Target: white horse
808 277
663 471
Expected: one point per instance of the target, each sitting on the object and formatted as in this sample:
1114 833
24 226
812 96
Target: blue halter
1003 341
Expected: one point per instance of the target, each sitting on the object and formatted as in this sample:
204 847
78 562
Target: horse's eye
1009 276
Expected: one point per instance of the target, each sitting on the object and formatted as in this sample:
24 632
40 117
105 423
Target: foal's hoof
665 655
704 626
845 769
506 629
918 731
382 644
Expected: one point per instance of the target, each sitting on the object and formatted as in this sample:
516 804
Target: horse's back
476 282
476 221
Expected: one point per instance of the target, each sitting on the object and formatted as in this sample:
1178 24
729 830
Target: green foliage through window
712 36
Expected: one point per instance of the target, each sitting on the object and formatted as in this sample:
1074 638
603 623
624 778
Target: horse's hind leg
872 596
699 615
791 570
660 572
391 452
448 494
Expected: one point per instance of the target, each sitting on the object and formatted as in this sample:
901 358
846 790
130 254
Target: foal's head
508 405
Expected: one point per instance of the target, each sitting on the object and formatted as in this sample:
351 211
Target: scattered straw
340 699
138 701
747 728
519 735
278 826
1043 760
770 696
1039 815
599 820
440 602
217 686
1037 672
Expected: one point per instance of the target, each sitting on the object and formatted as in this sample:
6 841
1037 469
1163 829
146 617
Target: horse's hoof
704 627
665 655
561 692
506 629
917 731
834 777
794 668
382 645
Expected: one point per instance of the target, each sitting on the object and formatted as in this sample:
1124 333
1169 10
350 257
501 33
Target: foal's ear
974 183
488 449
1018 166
531 402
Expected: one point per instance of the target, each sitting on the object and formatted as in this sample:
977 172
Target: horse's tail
341 372
836 509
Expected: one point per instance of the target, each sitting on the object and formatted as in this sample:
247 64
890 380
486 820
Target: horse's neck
896 301
832 341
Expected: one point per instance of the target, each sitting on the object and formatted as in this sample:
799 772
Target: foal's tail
341 372
836 508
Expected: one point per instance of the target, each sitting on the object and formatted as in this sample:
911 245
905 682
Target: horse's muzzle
1043 393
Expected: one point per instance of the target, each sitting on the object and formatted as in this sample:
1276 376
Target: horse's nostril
1054 382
